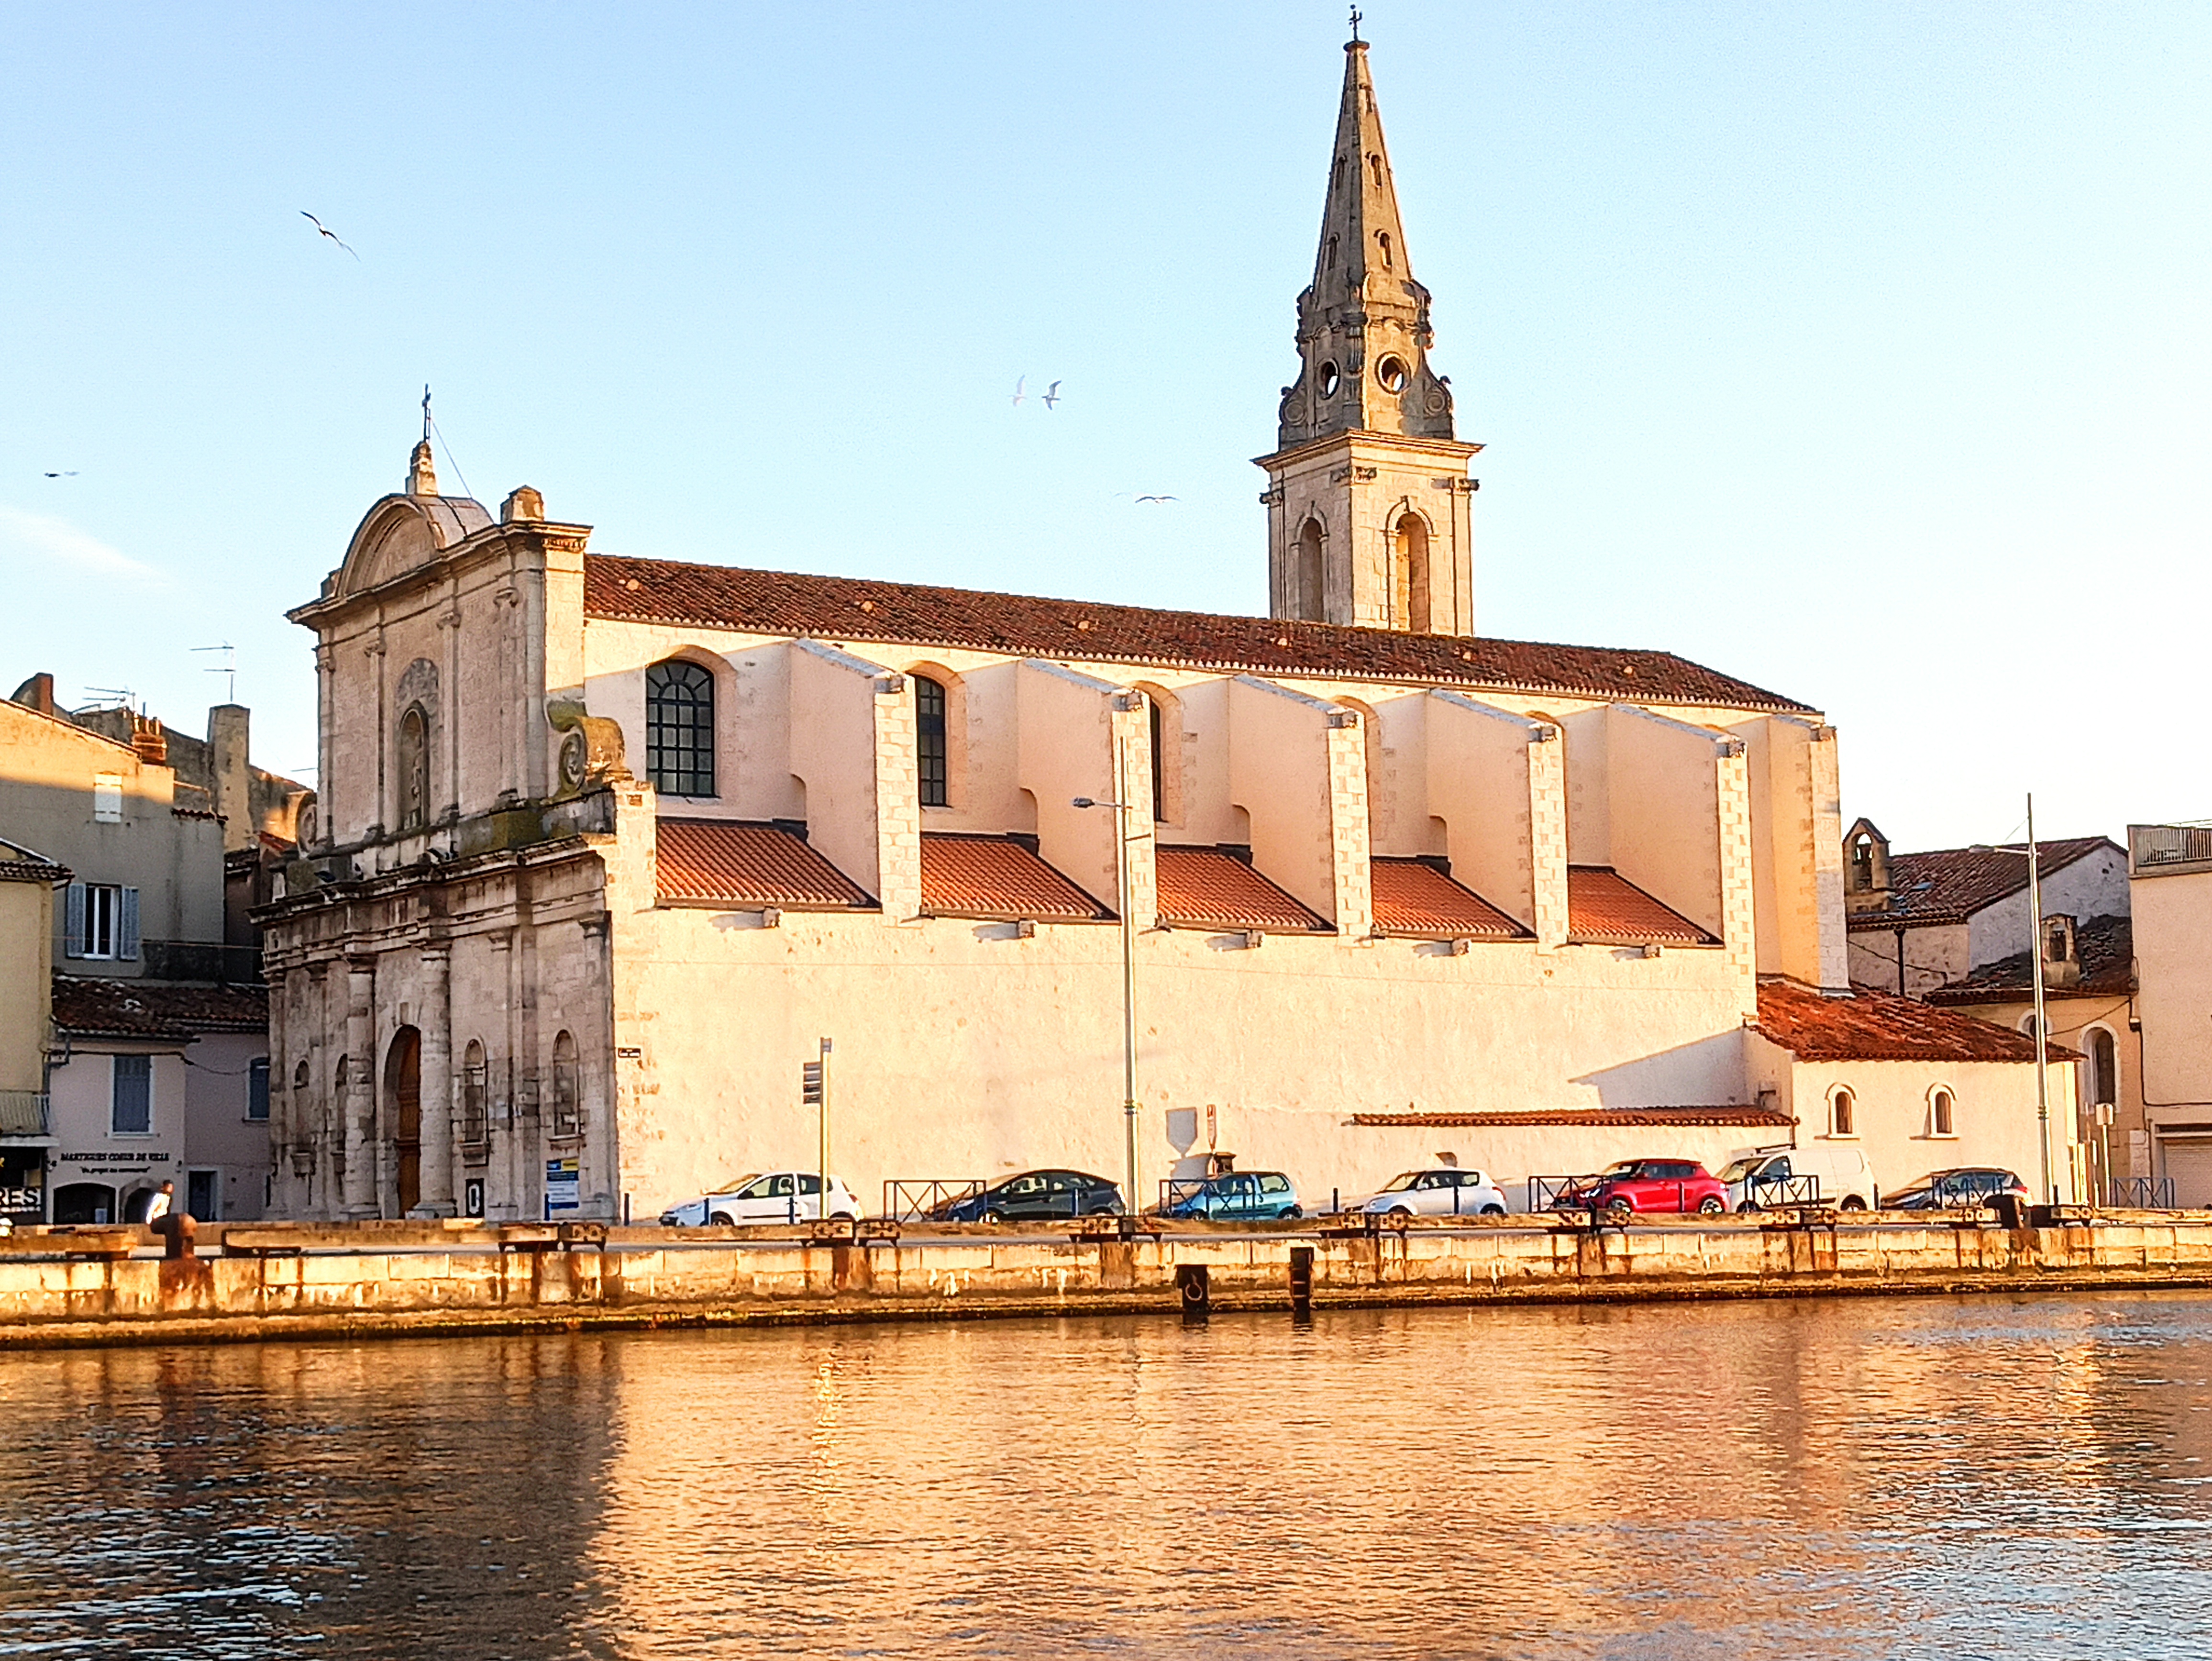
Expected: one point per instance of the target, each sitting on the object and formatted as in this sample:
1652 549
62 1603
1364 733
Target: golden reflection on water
2016 1477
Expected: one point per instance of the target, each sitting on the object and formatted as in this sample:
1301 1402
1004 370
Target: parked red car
1647 1186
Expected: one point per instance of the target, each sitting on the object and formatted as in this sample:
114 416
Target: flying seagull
1159 498
70 474
327 231
1017 389
1052 395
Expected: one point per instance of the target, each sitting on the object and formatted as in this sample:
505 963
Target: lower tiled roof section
857 610
1878 1026
1413 896
2107 946
1631 1118
1605 909
729 862
99 1007
1208 888
973 876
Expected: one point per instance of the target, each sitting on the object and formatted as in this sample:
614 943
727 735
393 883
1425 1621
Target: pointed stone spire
1363 323
1368 519
422 476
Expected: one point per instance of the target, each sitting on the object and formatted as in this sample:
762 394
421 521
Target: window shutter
126 926
73 940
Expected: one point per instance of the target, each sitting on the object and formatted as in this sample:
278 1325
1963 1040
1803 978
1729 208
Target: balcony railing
22 1113
2152 847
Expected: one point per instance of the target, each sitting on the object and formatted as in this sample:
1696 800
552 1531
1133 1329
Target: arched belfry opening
1311 601
1411 605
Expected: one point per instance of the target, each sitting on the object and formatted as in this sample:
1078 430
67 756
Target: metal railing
1764 1193
1544 1191
23 1113
913 1202
2150 846
2142 1193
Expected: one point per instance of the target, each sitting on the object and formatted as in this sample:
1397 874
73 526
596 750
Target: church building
606 845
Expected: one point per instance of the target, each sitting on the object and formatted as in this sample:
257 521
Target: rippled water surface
1856 1477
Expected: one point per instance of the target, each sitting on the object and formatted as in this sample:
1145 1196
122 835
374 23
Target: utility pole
2042 1029
1121 805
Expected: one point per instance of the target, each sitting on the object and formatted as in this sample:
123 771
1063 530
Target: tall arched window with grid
679 728
930 757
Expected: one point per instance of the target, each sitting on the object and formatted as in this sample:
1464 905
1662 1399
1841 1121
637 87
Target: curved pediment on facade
403 532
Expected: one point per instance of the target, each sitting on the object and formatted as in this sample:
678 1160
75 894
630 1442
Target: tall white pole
2042 1031
1129 979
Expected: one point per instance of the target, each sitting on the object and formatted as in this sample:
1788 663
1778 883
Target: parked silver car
1439 1191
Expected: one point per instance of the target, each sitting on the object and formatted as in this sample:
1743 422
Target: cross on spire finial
1355 23
425 412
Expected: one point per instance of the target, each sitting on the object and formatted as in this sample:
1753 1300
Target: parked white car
1440 1191
1770 1177
772 1196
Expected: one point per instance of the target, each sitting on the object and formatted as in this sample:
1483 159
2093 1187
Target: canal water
1905 1477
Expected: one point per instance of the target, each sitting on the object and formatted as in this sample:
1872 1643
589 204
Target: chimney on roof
36 693
231 774
149 738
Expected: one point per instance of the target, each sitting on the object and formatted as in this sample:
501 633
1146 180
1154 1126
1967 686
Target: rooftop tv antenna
121 696
228 666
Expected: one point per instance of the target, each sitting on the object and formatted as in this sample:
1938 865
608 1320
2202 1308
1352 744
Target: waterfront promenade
250 1282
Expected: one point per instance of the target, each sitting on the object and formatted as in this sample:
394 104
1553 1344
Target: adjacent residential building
27 882
605 846
2170 882
152 1049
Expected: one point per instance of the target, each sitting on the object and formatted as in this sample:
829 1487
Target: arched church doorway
403 1101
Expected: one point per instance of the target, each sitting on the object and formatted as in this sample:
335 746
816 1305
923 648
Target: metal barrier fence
1761 1193
2142 1193
1544 1191
1174 1190
917 1200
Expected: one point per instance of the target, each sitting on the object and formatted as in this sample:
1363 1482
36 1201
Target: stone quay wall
68 1287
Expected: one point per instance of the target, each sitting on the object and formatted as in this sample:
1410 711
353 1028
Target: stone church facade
605 845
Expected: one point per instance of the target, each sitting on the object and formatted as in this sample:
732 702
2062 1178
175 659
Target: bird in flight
70 474
1018 390
1159 498
1052 395
327 231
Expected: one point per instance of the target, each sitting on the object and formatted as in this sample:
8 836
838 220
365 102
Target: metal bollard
1191 1282
1301 1282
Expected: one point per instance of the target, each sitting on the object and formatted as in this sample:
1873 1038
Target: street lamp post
1129 985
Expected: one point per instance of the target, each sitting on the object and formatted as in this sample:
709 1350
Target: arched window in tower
1331 254
1375 167
679 728
1382 241
1159 763
932 762
1411 568
414 769
1310 600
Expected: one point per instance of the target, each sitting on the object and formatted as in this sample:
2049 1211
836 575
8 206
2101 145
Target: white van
1827 1173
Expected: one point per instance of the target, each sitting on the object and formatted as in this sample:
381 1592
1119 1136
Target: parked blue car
1240 1196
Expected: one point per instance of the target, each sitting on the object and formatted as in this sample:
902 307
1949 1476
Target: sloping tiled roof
727 862
1412 896
972 876
41 871
99 1007
1640 1118
1205 888
2107 949
1949 885
1879 1027
1605 909
851 609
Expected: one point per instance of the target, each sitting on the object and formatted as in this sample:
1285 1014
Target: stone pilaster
1738 917
1351 851
1547 834
357 1111
435 1023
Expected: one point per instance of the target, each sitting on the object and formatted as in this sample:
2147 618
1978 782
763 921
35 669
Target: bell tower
1368 518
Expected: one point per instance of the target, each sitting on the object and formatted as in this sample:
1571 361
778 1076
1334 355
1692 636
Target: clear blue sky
1861 350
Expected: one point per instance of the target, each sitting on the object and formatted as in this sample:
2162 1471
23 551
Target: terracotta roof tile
1206 888
734 863
1412 896
2107 948
90 1005
1605 909
32 870
846 609
973 876
1879 1027
1949 885
1629 1117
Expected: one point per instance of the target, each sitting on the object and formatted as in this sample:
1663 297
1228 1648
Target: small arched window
1938 1114
414 769
475 1095
1382 240
679 728
2104 1069
1332 254
931 759
1309 601
568 1107
1842 1114
1375 166
1159 763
